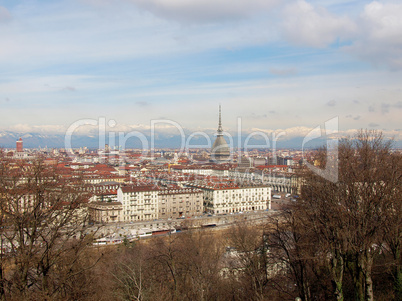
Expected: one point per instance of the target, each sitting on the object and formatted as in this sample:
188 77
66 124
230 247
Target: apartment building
222 199
139 203
176 203
105 212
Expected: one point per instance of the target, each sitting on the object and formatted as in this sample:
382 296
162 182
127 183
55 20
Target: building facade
140 203
177 203
19 146
223 200
105 212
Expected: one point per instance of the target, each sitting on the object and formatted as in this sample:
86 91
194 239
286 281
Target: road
125 229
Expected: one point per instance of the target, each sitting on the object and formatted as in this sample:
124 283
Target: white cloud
384 21
61 34
380 35
331 103
283 71
307 25
46 84
286 133
4 14
201 11
118 59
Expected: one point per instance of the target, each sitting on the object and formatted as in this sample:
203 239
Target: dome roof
220 146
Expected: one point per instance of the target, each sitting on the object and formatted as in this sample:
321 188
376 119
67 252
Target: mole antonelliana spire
220 122
220 151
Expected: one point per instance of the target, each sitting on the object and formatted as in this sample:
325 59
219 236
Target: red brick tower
19 146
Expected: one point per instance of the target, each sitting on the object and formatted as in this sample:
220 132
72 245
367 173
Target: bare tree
350 215
43 230
391 238
129 273
250 259
296 255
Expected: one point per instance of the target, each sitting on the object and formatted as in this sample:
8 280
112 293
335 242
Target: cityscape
200 150
206 178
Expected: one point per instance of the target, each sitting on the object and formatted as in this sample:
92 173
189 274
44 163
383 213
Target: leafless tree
391 238
43 233
250 262
296 255
129 273
349 216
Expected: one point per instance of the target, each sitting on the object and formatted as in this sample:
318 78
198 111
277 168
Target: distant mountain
36 140
161 140
31 140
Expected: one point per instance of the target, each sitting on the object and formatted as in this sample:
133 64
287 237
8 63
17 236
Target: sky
276 65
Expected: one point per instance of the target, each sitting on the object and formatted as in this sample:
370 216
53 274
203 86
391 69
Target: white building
193 170
105 212
139 203
225 199
215 170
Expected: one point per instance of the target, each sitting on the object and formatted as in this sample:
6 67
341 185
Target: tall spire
220 130
220 151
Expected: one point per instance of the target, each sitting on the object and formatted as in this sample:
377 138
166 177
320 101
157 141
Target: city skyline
278 65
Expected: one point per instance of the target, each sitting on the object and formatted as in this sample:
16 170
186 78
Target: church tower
220 151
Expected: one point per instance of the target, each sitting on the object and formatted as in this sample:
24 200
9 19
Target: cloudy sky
277 64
